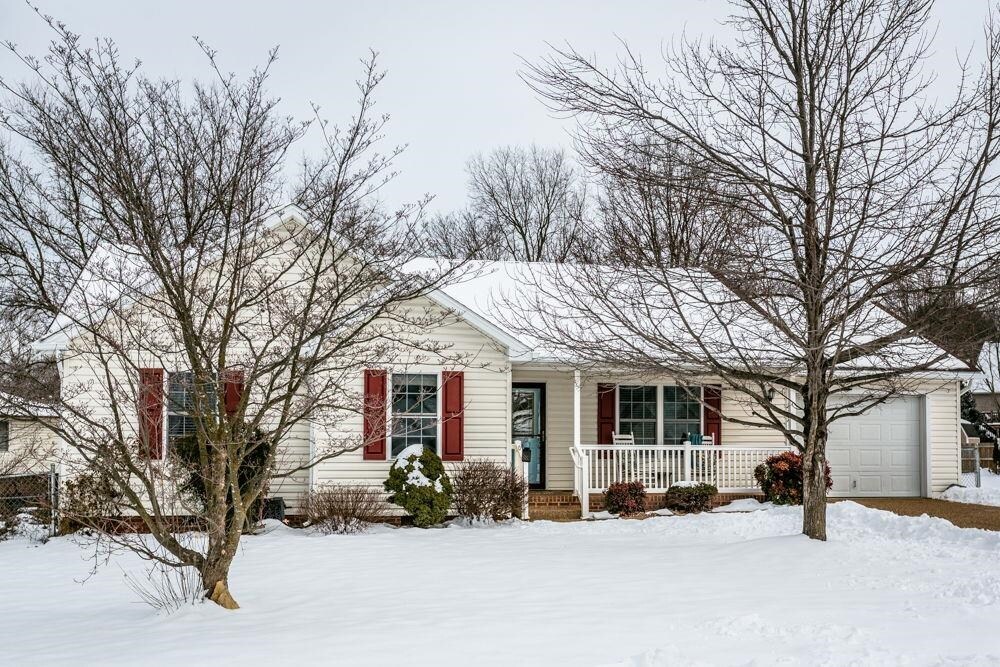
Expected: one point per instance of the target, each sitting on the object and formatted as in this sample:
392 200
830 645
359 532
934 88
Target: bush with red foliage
625 498
780 478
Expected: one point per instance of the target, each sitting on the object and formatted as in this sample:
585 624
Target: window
681 413
414 411
180 403
4 435
637 413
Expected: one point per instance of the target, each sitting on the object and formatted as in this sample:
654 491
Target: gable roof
93 293
504 300
511 297
15 406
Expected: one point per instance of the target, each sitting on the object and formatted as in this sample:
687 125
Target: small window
414 411
4 435
180 404
681 413
637 413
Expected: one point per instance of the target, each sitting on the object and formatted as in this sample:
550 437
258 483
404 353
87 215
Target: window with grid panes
414 411
637 413
681 413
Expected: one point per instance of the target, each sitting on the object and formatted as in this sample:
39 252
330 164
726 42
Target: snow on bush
743 505
626 498
987 494
780 478
418 483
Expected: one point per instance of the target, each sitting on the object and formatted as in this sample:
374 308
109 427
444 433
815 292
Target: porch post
584 472
576 408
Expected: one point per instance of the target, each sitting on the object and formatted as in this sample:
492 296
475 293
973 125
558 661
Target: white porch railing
730 469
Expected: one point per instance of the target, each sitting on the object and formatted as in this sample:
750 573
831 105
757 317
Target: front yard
700 589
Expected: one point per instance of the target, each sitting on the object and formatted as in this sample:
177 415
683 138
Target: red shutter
374 414
713 412
232 388
151 411
605 413
452 415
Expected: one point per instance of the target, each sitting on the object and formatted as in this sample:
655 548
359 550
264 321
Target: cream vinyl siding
32 447
293 451
943 417
487 406
942 423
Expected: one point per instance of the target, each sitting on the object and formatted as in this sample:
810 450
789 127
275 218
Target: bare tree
525 204
656 208
816 125
146 217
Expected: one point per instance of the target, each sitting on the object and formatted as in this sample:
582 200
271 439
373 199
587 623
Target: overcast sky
452 88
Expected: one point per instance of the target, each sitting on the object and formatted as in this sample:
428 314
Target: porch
553 409
596 467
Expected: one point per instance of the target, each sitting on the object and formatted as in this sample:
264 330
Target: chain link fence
971 467
31 498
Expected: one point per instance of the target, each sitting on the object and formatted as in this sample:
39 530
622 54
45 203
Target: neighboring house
26 444
985 385
515 391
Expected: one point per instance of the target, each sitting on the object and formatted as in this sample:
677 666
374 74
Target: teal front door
528 426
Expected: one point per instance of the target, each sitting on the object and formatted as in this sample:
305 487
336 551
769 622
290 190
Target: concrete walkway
962 515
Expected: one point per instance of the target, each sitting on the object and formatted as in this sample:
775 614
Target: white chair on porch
622 439
628 466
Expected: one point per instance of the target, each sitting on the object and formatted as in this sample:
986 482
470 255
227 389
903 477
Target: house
27 446
513 396
985 385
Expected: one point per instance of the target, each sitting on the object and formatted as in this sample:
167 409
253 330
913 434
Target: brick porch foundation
563 505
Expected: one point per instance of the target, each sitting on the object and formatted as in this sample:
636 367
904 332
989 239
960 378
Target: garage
878 453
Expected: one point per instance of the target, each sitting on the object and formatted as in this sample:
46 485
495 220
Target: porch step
552 499
553 505
554 513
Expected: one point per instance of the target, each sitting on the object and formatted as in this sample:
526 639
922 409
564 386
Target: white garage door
877 453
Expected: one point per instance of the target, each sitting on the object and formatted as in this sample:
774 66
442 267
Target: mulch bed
963 515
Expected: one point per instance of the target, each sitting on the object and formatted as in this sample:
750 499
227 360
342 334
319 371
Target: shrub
185 454
486 490
345 508
88 500
780 478
167 588
625 498
690 496
417 483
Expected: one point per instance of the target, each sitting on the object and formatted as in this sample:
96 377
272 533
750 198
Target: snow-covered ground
987 494
720 588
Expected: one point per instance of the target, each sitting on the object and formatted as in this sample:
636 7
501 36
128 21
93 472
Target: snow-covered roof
112 278
15 406
515 298
510 301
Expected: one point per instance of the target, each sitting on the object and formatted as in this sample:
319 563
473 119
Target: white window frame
701 409
657 420
436 372
5 443
660 422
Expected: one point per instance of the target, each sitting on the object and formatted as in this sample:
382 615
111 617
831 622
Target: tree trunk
215 578
223 536
814 488
815 429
